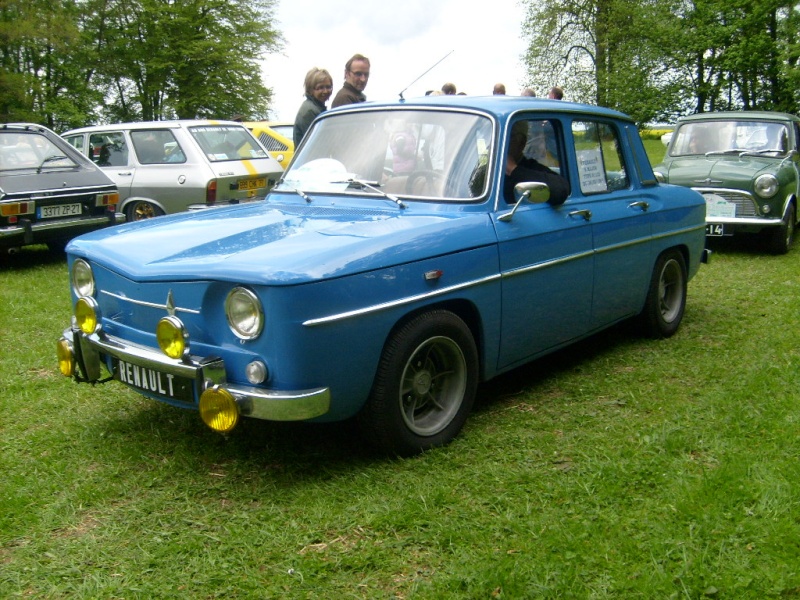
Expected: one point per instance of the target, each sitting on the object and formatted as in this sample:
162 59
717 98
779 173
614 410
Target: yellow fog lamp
87 314
173 339
218 409
66 357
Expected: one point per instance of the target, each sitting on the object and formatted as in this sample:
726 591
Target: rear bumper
25 233
90 353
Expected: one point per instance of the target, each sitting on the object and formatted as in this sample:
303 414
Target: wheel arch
464 309
123 205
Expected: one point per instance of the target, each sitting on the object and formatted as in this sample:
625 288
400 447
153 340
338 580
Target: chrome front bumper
88 352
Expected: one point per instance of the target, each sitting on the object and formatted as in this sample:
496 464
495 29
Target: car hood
28 181
281 244
724 171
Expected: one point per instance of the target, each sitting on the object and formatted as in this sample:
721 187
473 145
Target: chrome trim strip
511 273
191 311
548 263
399 302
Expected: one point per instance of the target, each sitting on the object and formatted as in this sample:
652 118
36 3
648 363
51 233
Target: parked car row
401 259
53 188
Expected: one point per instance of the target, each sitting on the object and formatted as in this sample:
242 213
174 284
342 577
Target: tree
73 62
657 59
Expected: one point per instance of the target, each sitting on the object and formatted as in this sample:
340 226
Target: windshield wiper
728 151
48 159
297 191
373 186
764 151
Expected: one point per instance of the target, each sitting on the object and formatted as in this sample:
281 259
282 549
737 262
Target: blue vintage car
411 250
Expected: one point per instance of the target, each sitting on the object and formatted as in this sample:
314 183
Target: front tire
781 237
424 387
666 297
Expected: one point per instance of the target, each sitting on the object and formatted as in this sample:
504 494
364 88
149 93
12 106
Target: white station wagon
163 167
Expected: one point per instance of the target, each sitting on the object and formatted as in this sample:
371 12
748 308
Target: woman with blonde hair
319 86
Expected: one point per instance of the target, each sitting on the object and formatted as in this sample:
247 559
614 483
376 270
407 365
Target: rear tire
424 387
666 297
142 209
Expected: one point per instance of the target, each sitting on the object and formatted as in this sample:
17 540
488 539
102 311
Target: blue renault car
412 250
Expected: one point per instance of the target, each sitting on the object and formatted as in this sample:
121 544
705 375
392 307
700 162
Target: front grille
745 205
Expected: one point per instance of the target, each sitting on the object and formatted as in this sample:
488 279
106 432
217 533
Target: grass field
618 468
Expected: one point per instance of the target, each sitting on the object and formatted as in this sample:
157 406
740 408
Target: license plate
155 382
60 210
252 184
717 206
716 230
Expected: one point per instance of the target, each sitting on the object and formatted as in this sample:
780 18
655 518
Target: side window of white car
108 149
157 146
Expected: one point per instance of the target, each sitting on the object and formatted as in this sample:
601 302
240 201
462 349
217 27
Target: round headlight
172 337
87 314
82 278
766 185
660 177
245 314
218 409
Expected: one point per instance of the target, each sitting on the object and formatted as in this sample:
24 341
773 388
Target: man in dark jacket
356 76
519 169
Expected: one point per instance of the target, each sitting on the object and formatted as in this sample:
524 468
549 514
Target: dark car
746 165
395 266
49 193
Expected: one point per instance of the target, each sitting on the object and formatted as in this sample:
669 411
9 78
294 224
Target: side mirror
527 191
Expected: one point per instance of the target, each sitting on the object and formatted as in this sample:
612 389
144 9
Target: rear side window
601 165
108 149
227 142
157 146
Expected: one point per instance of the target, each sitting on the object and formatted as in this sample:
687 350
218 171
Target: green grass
618 468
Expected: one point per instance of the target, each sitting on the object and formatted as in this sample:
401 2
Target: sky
477 42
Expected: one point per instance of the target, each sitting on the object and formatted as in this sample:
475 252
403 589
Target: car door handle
645 206
124 173
586 214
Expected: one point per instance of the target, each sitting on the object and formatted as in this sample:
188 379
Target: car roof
742 115
497 105
175 124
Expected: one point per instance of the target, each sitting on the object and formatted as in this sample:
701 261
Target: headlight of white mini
660 177
82 278
245 314
766 186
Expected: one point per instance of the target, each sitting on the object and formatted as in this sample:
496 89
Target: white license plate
60 210
717 206
154 382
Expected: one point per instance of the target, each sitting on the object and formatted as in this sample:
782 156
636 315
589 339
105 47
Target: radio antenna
425 73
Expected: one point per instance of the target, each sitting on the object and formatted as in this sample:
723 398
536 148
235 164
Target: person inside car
520 169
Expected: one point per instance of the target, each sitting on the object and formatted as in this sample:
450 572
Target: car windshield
31 150
730 137
227 142
430 154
